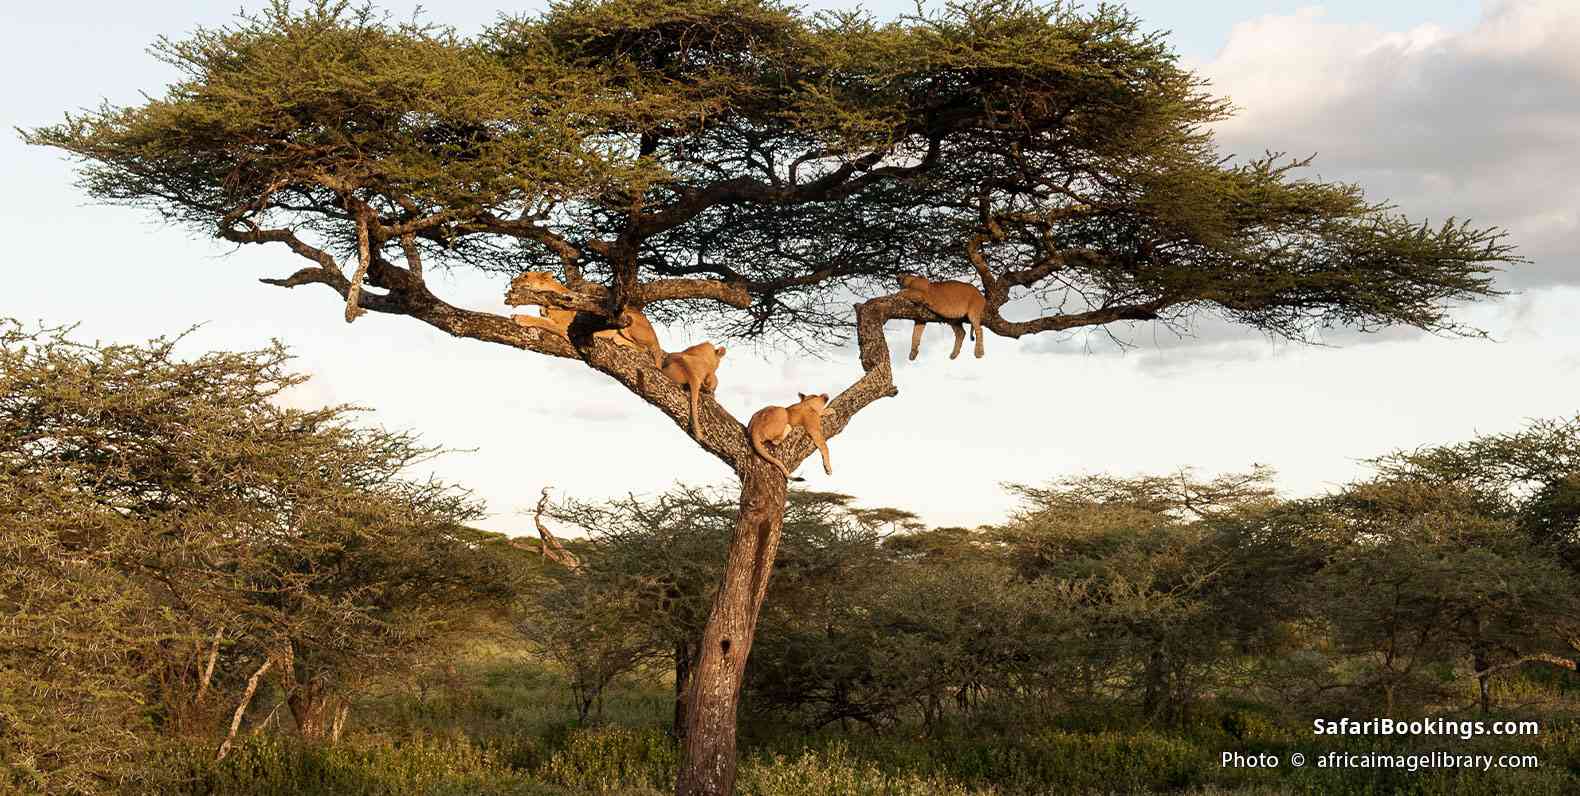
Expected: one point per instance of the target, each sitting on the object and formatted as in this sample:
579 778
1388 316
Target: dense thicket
172 537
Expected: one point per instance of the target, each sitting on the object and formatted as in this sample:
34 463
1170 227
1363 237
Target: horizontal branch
722 435
877 380
1143 311
1550 660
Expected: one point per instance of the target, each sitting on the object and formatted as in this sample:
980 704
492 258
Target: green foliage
747 143
167 526
1433 562
1116 634
285 767
650 568
612 758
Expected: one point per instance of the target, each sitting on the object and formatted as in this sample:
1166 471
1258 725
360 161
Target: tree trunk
1152 698
339 723
708 758
677 727
310 707
1483 680
208 670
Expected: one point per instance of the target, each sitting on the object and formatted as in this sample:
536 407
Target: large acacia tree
756 170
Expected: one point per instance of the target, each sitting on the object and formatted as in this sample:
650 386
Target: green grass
503 725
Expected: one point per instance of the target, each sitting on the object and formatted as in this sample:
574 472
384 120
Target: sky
1443 107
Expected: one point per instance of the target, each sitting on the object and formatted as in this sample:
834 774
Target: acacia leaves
1036 149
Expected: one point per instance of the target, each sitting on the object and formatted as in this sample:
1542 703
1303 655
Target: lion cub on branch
697 368
954 300
638 333
772 424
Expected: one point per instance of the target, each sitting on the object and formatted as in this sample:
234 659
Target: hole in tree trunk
725 645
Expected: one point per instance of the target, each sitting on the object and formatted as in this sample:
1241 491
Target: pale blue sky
1446 107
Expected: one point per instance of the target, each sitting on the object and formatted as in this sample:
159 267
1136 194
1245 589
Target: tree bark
683 654
208 670
339 723
1483 681
310 707
708 757
1153 696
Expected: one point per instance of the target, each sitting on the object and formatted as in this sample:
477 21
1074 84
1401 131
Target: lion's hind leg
960 338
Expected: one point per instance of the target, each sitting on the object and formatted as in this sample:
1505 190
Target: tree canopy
743 163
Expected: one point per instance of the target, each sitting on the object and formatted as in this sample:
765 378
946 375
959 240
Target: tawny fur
956 301
772 424
695 368
638 332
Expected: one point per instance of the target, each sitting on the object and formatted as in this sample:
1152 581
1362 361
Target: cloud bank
1480 123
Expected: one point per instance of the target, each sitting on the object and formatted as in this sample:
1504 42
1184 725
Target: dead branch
551 547
241 709
208 670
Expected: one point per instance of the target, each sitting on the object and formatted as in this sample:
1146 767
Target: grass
503 725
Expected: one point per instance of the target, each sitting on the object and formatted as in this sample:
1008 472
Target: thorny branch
723 435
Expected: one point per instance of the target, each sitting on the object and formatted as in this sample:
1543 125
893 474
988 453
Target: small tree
1495 520
751 168
1156 572
1421 579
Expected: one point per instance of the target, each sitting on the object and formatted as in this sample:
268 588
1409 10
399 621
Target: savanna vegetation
745 169
753 170
207 592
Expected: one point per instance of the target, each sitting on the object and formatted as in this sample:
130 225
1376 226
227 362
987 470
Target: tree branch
877 380
722 434
590 297
241 708
552 549
1551 660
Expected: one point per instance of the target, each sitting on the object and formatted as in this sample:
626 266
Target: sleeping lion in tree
638 332
954 300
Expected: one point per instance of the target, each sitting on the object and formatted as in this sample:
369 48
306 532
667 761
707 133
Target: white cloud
1479 123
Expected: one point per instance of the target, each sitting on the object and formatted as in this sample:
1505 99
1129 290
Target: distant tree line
1421 586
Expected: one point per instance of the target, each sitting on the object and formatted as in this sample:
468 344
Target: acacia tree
170 536
753 169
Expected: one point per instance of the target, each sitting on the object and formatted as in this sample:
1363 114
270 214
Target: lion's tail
757 445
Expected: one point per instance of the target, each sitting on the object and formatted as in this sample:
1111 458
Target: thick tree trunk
708 759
